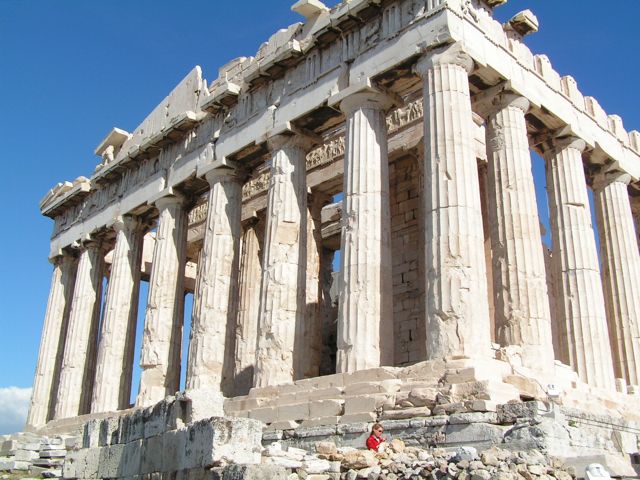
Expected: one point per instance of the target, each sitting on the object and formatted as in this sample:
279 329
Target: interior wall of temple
408 274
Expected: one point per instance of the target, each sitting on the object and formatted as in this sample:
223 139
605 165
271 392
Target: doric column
621 272
579 300
162 336
521 299
456 287
365 312
248 308
112 389
282 296
310 335
78 365
54 333
211 350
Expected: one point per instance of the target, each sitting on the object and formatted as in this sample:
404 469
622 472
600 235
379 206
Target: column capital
604 178
169 200
369 99
452 54
88 243
491 103
555 145
126 223
223 173
283 141
94 244
62 257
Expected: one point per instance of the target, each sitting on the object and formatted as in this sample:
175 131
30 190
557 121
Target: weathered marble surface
79 359
621 271
580 301
114 366
521 300
246 332
457 310
294 85
210 363
283 290
162 335
365 310
54 333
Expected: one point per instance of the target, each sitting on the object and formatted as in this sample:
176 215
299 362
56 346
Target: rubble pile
35 455
397 462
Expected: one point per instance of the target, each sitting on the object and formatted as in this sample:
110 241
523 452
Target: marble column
457 312
365 312
112 389
521 299
162 335
310 335
282 296
78 365
211 353
620 273
580 302
248 307
54 333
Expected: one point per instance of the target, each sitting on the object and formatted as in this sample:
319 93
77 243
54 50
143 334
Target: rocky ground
399 462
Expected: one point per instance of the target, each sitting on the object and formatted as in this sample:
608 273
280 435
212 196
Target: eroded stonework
397 136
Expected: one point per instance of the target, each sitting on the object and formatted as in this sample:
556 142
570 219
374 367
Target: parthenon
398 133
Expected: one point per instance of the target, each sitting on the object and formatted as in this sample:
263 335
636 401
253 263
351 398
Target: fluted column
78 365
309 338
248 308
211 350
621 272
457 308
522 313
282 297
54 332
162 335
580 303
112 389
365 312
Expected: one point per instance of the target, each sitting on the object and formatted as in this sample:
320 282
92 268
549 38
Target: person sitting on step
376 441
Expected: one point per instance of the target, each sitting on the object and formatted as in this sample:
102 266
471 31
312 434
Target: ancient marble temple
399 133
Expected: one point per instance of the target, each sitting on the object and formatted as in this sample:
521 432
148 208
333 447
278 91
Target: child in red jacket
375 439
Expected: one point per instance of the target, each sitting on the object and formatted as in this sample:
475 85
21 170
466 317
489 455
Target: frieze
405 115
198 214
256 185
409 114
327 153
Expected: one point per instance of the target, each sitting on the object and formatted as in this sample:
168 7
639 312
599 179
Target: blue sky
70 70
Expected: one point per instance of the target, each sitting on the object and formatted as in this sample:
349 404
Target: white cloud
14 405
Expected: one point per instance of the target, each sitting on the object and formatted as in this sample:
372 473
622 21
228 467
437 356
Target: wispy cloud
14 405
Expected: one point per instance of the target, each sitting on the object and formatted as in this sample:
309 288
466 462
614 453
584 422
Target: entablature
198 127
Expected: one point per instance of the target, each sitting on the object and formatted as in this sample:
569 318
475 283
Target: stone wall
159 440
34 455
408 277
576 437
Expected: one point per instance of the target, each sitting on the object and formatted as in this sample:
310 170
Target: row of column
285 299
256 327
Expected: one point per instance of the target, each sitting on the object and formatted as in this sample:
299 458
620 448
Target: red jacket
374 442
